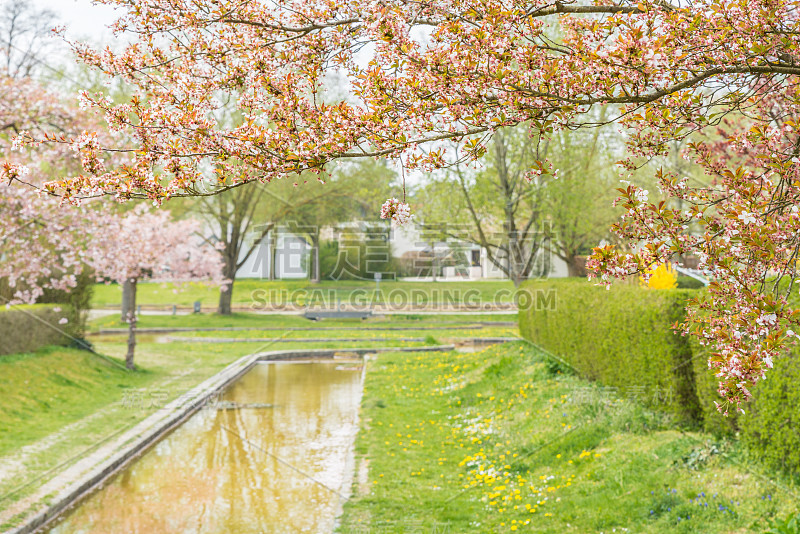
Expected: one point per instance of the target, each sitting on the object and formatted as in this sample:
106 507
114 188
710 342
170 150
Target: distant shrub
357 256
687 282
78 301
28 328
662 276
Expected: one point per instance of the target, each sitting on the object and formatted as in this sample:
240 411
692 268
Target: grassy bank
501 440
59 403
55 386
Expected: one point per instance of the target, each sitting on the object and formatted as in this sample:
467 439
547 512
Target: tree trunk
315 278
576 266
128 299
517 278
226 291
225 298
130 285
273 254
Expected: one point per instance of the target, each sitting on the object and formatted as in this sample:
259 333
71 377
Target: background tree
578 206
351 191
229 220
142 245
495 207
237 221
25 36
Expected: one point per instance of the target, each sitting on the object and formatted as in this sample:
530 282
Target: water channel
273 455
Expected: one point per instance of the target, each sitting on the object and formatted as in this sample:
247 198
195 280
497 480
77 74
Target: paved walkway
103 312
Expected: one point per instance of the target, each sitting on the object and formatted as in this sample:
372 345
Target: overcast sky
81 18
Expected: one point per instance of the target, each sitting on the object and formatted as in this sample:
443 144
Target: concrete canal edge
148 432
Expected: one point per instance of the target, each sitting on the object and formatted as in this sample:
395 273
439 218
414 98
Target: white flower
747 217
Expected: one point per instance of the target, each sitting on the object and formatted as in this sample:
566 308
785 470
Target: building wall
293 256
407 239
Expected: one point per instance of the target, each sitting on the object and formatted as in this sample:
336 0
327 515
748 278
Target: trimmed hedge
620 337
31 327
623 337
771 425
78 301
707 385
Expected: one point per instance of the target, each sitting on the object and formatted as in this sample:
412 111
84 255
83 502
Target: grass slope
502 441
47 389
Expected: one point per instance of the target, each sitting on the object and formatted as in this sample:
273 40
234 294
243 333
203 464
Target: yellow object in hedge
661 277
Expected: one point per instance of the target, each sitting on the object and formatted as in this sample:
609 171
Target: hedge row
29 328
771 425
620 338
623 338
75 302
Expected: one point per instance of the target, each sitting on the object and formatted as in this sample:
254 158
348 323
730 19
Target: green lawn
40 391
495 441
256 294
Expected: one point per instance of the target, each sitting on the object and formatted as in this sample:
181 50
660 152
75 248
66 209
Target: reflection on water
242 470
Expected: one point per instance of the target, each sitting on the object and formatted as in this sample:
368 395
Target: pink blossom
399 212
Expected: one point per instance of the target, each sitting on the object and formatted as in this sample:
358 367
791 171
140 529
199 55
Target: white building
454 260
460 260
292 258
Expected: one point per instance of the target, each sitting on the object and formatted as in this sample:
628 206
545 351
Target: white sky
82 19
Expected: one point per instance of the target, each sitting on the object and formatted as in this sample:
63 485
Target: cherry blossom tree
744 228
421 73
42 244
147 245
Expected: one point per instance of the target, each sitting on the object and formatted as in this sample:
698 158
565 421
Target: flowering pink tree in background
43 246
147 245
458 70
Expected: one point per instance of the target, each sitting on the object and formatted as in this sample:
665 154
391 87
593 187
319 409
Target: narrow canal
274 455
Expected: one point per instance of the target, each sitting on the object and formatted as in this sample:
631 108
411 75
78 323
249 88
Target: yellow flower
662 276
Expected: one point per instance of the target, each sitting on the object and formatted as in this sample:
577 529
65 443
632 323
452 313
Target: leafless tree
24 37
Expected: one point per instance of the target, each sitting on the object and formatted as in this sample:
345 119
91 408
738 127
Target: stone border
146 433
455 340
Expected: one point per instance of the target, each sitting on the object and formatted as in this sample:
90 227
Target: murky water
279 463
